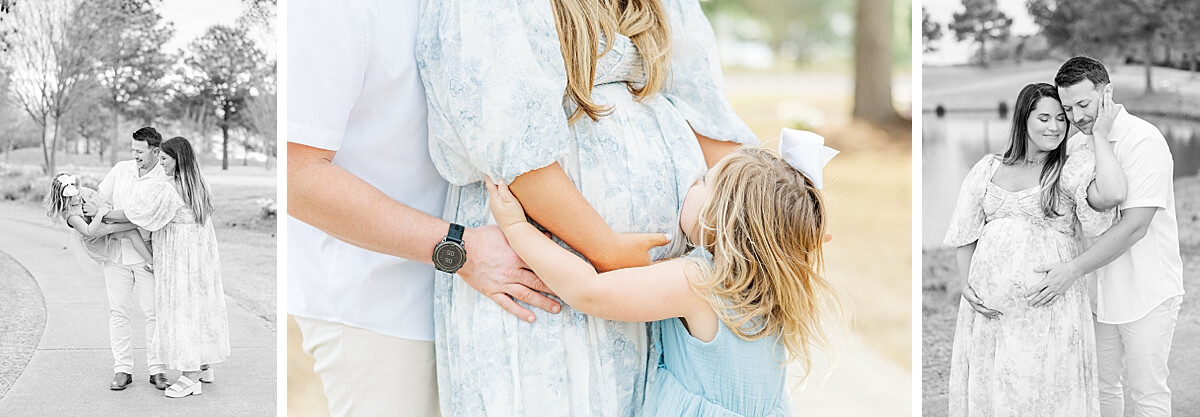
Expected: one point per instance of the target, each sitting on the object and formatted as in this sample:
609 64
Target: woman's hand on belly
976 304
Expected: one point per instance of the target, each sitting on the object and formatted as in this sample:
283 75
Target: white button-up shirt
353 87
1152 270
122 186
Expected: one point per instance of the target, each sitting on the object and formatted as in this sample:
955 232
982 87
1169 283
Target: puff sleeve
1079 171
155 207
966 224
695 85
495 82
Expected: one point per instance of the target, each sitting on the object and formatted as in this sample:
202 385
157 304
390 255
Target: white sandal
207 375
183 387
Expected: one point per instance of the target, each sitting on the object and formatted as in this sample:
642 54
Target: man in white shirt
127 275
360 189
1140 271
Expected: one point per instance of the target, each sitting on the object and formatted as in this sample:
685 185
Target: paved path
71 367
863 384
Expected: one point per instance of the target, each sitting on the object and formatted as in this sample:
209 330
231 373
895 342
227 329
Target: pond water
951 145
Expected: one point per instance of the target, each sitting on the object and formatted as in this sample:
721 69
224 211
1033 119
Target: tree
228 66
1184 23
981 21
789 34
1104 27
55 45
873 63
132 75
931 31
262 116
6 8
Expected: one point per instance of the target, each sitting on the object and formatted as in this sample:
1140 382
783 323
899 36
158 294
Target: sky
191 18
950 51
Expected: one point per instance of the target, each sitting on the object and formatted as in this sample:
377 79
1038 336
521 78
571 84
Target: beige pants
1133 357
123 284
370 374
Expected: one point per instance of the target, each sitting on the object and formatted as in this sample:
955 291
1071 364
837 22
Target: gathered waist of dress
1066 230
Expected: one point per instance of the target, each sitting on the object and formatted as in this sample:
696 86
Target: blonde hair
580 24
764 223
56 203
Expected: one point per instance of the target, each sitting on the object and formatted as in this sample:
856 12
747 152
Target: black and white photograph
1061 208
138 207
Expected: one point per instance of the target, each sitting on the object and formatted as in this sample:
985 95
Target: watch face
448 256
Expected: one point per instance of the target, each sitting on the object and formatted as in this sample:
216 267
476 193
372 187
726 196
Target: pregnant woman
1014 213
599 114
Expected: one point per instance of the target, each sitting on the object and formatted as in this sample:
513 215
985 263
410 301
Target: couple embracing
149 226
426 139
1029 224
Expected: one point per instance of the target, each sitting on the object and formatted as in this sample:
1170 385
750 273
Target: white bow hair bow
68 182
805 151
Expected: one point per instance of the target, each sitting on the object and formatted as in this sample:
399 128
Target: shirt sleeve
105 189
695 85
1148 169
966 224
495 82
326 69
156 206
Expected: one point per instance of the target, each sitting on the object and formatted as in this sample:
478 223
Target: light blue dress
495 82
726 377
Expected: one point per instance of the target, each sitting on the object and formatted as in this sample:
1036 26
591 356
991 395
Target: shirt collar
154 173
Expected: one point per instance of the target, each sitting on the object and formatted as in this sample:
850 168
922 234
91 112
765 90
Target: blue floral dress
1032 360
495 81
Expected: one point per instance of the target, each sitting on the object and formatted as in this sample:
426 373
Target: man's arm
339 203
1132 227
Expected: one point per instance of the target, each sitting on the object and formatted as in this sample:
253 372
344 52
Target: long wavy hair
1018 145
187 176
764 223
581 23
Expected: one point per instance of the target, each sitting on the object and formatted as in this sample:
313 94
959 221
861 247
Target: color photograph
611 208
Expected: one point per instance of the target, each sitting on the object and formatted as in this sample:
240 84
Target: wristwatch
449 255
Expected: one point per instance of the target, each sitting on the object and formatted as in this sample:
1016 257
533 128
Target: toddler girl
101 242
729 317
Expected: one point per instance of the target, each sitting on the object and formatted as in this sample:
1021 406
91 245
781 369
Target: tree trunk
115 142
53 145
1149 58
46 156
983 52
873 62
225 141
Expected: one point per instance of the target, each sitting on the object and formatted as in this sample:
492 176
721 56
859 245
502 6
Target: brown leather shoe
120 381
160 381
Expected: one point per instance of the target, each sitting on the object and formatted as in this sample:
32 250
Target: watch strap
456 233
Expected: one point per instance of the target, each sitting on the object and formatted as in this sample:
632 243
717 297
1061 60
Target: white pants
370 374
1134 356
122 282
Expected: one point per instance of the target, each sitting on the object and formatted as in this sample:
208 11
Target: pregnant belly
1002 268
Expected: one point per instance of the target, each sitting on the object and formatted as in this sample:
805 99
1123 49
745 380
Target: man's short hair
148 135
1080 68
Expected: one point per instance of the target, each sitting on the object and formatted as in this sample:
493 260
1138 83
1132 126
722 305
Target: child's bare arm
647 293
